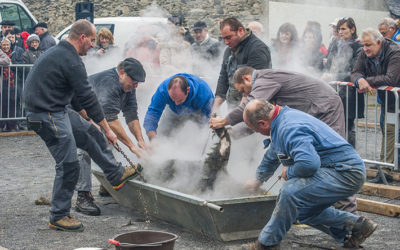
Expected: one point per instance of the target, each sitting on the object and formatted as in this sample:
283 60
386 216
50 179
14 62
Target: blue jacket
396 36
200 98
307 144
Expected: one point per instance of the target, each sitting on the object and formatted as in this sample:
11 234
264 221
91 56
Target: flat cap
134 69
43 25
199 25
7 22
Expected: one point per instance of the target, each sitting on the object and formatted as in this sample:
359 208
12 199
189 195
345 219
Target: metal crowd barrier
12 84
368 132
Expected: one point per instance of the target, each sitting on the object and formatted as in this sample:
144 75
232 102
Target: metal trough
222 219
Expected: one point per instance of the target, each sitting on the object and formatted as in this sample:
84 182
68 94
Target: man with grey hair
302 92
388 28
49 88
378 65
46 40
316 171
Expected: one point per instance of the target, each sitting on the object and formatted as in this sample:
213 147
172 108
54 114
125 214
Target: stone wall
60 13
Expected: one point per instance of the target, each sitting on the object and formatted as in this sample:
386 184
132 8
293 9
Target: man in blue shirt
319 167
188 97
388 29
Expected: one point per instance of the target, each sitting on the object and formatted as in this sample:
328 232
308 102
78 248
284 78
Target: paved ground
27 172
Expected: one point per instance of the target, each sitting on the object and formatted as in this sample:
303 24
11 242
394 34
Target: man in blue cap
115 89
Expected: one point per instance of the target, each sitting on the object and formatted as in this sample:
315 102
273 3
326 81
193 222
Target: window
17 14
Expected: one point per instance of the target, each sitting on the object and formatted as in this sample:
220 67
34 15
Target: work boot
378 179
129 173
361 231
85 204
258 246
68 223
103 191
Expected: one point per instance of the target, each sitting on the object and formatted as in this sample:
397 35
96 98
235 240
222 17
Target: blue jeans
63 132
309 200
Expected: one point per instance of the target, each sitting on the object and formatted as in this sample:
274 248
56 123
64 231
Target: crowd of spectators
18 48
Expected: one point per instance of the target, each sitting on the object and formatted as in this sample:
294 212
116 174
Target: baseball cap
134 69
199 25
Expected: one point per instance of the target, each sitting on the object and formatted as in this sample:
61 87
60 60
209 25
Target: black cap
134 69
43 25
6 22
199 25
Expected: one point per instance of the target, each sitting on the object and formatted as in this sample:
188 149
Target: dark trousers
63 132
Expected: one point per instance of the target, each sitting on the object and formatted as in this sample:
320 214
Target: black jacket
109 92
250 52
46 41
54 78
386 73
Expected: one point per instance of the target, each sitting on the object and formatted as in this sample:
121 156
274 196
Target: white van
123 28
16 11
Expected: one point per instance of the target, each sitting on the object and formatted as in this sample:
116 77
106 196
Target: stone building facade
60 13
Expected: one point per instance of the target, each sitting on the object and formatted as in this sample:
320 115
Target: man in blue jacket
188 97
319 167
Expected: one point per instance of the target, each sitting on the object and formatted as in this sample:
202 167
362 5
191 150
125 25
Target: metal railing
367 133
12 85
367 136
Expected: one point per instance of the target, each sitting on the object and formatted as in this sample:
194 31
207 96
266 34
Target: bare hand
112 138
100 51
218 122
326 77
95 124
143 145
364 86
253 185
244 98
137 152
283 175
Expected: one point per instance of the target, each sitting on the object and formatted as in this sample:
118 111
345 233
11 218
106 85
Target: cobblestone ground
27 172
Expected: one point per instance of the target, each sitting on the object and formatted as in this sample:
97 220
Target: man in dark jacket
244 49
6 25
116 91
378 65
49 88
204 46
46 40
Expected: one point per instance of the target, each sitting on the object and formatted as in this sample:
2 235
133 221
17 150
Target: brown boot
258 246
68 223
129 173
361 231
